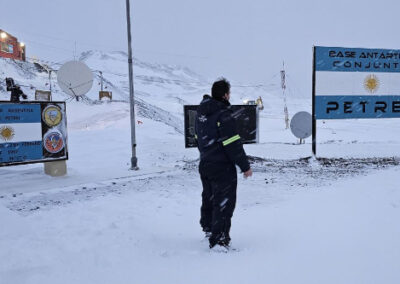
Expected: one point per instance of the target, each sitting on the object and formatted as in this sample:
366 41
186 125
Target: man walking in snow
220 150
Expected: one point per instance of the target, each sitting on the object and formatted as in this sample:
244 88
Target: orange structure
10 47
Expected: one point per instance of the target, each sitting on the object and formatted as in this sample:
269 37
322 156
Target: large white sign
356 83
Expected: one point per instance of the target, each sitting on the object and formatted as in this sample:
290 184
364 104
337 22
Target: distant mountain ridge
161 90
115 73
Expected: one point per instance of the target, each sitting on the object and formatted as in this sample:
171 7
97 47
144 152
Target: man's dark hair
220 88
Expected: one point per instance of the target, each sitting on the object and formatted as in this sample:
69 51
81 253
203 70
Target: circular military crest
371 83
52 115
53 142
6 133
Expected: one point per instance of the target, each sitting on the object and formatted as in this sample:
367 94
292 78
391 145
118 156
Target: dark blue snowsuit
220 150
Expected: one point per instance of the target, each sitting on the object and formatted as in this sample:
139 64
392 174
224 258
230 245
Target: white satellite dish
75 78
301 125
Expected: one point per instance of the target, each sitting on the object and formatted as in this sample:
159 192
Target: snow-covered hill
160 90
162 78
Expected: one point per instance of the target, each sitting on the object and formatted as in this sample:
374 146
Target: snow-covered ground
297 220
145 230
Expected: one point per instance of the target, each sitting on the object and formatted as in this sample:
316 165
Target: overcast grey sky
243 40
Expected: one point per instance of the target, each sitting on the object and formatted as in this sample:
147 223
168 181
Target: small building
10 47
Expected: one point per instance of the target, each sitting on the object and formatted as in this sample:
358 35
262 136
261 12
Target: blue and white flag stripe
345 107
21 132
356 83
21 152
20 113
356 59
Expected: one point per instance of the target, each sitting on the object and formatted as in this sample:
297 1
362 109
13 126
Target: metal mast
131 90
283 85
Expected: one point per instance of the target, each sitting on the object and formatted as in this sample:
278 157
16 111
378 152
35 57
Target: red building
10 47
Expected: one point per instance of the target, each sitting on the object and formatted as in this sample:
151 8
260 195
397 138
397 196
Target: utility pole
101 80
131 90
75 51
283 85
50 79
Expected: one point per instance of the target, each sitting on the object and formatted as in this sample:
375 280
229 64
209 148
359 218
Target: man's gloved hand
24 96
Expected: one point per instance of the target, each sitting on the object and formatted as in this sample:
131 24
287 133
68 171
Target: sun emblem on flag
371 83
6 133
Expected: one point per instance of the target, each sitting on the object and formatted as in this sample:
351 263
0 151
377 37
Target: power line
48 45
92 45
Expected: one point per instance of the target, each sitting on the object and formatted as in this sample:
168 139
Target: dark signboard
246 119
32 132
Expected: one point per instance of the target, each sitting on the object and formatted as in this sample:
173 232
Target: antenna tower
283 85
